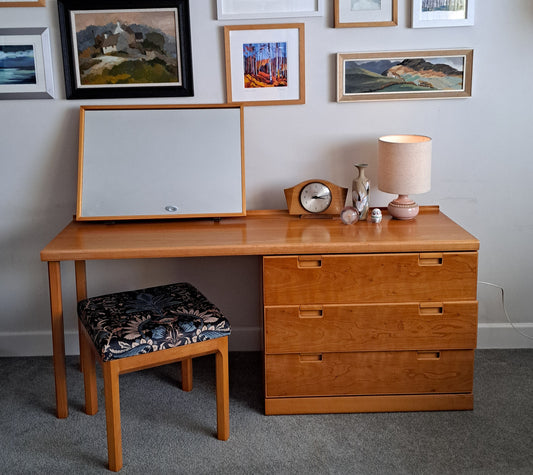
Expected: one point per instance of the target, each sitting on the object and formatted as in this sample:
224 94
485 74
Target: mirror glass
141 162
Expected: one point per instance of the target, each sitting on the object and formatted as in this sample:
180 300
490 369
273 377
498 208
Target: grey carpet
165 430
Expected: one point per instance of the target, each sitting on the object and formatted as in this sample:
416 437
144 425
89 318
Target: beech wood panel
369 373
338 328
340 404
260 233
330 279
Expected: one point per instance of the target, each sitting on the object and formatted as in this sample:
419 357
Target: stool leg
112 415
186 374
222 376
88 364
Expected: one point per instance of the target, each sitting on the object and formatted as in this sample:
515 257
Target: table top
262 232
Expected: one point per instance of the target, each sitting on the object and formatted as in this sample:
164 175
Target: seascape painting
265 64
400 75
126 48
365 5
17 65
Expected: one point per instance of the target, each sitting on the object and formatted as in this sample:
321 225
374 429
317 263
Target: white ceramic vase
360 191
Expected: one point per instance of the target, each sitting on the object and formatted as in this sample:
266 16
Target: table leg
58 338
81 294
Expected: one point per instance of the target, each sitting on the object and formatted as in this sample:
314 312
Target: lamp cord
505 310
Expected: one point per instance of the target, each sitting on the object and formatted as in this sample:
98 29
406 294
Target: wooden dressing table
365 317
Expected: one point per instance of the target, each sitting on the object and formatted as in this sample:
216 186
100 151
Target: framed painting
25 64
404 75
365 13
255 9
126 48
23 3
265 64
439 13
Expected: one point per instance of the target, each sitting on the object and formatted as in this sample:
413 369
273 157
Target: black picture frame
139 53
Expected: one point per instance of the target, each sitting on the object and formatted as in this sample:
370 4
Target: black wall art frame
126 48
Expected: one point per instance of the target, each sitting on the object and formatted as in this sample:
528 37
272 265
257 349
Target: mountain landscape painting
265 64
127 47
17 65
403 75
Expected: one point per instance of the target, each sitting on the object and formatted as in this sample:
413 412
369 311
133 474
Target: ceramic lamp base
403 208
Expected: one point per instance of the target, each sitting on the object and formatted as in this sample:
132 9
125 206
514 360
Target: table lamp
404 168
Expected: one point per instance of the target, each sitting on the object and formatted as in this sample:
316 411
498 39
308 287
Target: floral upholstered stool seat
134 330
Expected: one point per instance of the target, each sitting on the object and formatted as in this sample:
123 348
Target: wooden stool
131 331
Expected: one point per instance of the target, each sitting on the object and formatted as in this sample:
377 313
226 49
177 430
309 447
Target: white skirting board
490 336
40 343
504 335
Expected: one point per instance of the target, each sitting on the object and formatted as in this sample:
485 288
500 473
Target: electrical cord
505 310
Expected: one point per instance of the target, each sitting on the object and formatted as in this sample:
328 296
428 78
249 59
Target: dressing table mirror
164 161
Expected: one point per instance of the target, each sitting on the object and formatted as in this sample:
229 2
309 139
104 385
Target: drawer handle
432 308
310 358
428 355
311 312
430 259
307 262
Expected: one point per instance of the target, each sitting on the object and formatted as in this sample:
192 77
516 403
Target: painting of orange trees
265 65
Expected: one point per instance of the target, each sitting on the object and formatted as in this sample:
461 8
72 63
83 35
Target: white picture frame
365 13
259 9
28 74
421 18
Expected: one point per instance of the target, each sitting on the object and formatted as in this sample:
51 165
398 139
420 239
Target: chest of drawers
365 332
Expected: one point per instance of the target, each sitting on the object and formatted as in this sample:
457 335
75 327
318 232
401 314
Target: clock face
315 197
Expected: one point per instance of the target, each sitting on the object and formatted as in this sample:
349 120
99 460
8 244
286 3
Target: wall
481 166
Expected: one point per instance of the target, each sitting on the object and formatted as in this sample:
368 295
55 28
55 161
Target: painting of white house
126 48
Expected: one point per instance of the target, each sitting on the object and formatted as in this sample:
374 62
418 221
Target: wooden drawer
369 278
369 373
342 328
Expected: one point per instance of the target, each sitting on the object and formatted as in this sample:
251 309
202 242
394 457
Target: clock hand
319 197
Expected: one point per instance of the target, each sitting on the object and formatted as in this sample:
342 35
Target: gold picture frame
362 13
23 3
396 75
265 64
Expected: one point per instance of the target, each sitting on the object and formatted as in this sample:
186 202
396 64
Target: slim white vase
360 191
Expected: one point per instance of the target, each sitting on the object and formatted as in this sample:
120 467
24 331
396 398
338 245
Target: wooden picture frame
425 15
404 75
22 3
365 13
126 48
265 64
160 162
259 9
26 68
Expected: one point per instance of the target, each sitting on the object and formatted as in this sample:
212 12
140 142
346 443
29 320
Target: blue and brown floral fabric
142 321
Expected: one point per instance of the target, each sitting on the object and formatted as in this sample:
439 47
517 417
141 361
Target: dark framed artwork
126 48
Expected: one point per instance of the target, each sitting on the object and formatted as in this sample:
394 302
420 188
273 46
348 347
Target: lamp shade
404 164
